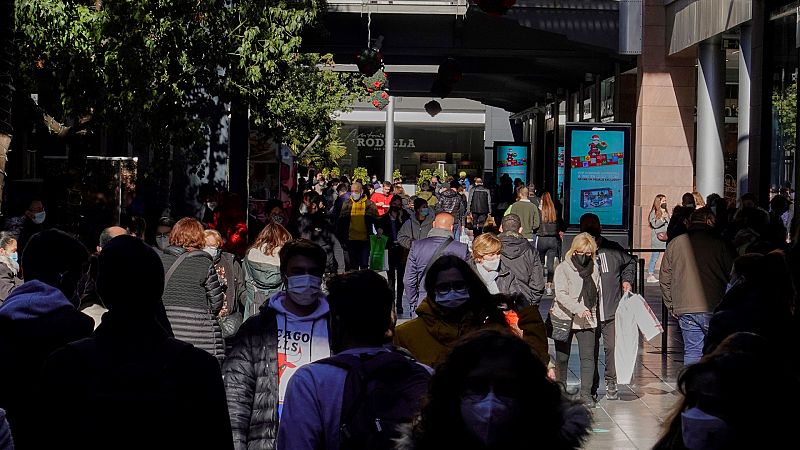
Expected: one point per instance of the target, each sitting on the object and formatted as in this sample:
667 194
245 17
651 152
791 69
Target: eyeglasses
444 288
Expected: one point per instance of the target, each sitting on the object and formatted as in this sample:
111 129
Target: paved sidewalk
635 421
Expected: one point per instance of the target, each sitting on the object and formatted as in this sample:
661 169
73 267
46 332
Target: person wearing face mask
193 295
163 230
287 333
231 277
577 284
262 267
9 265
417 226
355 225
28 224
424 252
658 219
390 224
491 392
456 304
209 204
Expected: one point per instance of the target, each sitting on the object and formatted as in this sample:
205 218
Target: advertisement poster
560 188
597 174
512 160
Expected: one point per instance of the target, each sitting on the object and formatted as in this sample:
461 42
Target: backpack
381 393
480 202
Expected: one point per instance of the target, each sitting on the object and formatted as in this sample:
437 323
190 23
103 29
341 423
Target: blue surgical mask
425 212
39 217
702 431
304 289
487 417
356 196
14 257
453 298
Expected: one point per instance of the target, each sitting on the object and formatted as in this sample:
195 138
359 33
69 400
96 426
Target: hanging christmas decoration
369 61
433 108
376 82
494 7
379 99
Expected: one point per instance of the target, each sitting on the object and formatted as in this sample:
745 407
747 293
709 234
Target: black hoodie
526 276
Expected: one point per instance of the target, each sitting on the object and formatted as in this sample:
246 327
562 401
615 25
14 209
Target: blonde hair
484 245
214 234
583 242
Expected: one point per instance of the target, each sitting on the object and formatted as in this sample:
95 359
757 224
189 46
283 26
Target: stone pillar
664 134
710 160
743 146
389 158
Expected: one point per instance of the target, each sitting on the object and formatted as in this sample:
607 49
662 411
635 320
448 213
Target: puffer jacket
452 202
262 280
193 298
526 273
431 336
568 284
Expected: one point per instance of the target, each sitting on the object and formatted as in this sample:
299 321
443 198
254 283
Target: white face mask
162 242
356 196
39 217
492 265
213 251
453 299
304 289
702 431
211 205
487 417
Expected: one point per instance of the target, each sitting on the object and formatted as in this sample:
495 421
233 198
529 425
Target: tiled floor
635 420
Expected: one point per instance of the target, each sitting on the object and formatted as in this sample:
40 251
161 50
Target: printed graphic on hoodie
301 340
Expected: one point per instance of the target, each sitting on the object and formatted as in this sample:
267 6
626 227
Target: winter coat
695 270
568 303
193 297
616 267
526 275
262 280
420 257
480 203
325 238
431 336
414 230
8 276
385 223
100 390
235 292
251 374
428 197
529 216
677 223
452 202
657 226
35 320
6 443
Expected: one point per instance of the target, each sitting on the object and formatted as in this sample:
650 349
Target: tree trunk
6 84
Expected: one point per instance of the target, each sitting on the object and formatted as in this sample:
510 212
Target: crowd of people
202 333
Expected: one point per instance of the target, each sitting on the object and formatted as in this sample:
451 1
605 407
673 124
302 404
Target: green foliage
441 174
396 174
360 173
424 175
785 104
157 69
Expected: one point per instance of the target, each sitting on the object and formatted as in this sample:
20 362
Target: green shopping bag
377 252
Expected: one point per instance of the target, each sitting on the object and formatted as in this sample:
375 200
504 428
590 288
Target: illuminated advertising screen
596 175
511 160
560 188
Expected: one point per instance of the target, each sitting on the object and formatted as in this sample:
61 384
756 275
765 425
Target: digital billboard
511 160
596 175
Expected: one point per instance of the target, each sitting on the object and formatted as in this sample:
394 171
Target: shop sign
378 142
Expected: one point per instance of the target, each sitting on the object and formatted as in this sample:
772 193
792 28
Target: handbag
558 329
230 323
661 236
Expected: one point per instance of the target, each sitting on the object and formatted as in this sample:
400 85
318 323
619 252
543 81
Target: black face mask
581 260
663 206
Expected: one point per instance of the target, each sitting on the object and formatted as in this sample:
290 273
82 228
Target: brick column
664 135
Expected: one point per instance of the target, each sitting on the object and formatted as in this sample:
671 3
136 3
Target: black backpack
480 202
381 392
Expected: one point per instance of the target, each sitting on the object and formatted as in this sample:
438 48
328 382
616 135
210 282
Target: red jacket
382 202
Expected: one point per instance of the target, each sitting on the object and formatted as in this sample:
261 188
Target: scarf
588 290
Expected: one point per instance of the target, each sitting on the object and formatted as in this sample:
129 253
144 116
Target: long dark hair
440 424
483 304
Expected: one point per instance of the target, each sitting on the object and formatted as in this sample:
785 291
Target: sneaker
652 278
612 393
588 402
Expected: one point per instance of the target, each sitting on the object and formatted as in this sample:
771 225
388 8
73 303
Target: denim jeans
694 327
653 260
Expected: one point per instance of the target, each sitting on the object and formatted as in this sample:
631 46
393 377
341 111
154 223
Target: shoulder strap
439 250
177 262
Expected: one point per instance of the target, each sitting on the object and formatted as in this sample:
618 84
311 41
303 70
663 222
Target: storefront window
784 104
607 100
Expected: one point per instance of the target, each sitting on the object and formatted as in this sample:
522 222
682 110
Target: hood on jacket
32 300
425 222
265 276
514 245
576 425
276 303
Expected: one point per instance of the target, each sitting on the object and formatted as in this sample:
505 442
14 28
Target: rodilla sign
596 178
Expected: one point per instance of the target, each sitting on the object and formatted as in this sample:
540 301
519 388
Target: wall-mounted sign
596 177
377 141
